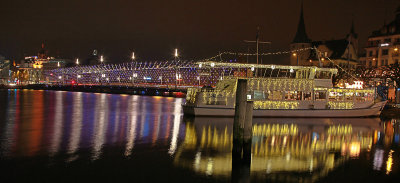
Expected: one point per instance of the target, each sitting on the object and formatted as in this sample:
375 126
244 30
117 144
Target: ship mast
257 41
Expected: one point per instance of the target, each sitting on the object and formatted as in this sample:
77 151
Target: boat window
360 97
292 95
320 95
335 96
268 95
323 75
307 96
274 73
216 102
275 95
286 73
370 96
349 96
259 95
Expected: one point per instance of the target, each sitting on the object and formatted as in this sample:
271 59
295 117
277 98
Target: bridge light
133 55
101 59
176 52
212 64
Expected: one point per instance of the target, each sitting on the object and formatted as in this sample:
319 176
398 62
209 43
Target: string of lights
177 72
260 54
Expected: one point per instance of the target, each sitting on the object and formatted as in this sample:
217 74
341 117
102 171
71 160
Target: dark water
51 136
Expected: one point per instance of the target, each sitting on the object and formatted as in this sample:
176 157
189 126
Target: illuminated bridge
165 74
180 74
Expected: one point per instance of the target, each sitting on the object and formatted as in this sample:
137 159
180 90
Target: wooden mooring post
242 134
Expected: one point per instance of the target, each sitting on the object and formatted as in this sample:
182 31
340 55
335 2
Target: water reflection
99 126
300 146
55 122
131 129
72 127
76 124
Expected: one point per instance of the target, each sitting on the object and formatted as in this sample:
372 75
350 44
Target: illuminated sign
356 85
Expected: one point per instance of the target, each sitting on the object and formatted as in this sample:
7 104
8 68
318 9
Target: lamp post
297 57
176 67
396 51
77 78
134 75
77 61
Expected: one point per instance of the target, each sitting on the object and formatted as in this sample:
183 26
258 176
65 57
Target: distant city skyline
153 29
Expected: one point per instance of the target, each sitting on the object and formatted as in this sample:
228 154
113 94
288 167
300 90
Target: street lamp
101 59
198 79
133 56
134 75
297 57
77 78
176 69
77 61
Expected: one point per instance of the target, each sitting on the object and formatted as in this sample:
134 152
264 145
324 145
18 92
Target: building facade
383 45
341 52
30 69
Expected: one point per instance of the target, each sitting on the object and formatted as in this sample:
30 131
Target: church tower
352 37
300 41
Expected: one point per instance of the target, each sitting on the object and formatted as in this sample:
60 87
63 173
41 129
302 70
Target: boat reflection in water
282 148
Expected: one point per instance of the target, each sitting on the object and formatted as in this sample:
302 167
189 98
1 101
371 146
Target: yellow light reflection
389 162
132 122
58 124
76 125
355 149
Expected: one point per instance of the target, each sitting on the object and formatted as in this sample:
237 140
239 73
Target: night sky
198 28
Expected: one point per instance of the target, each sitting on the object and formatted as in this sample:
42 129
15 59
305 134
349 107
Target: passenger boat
282 91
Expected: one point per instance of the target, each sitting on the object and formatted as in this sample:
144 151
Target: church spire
301 35
352 30
352 27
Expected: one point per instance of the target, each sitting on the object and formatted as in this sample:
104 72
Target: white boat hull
374 110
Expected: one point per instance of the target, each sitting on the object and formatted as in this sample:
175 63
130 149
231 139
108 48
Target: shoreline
390 113
165 92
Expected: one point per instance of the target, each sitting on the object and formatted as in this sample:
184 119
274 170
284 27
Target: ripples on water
54 136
